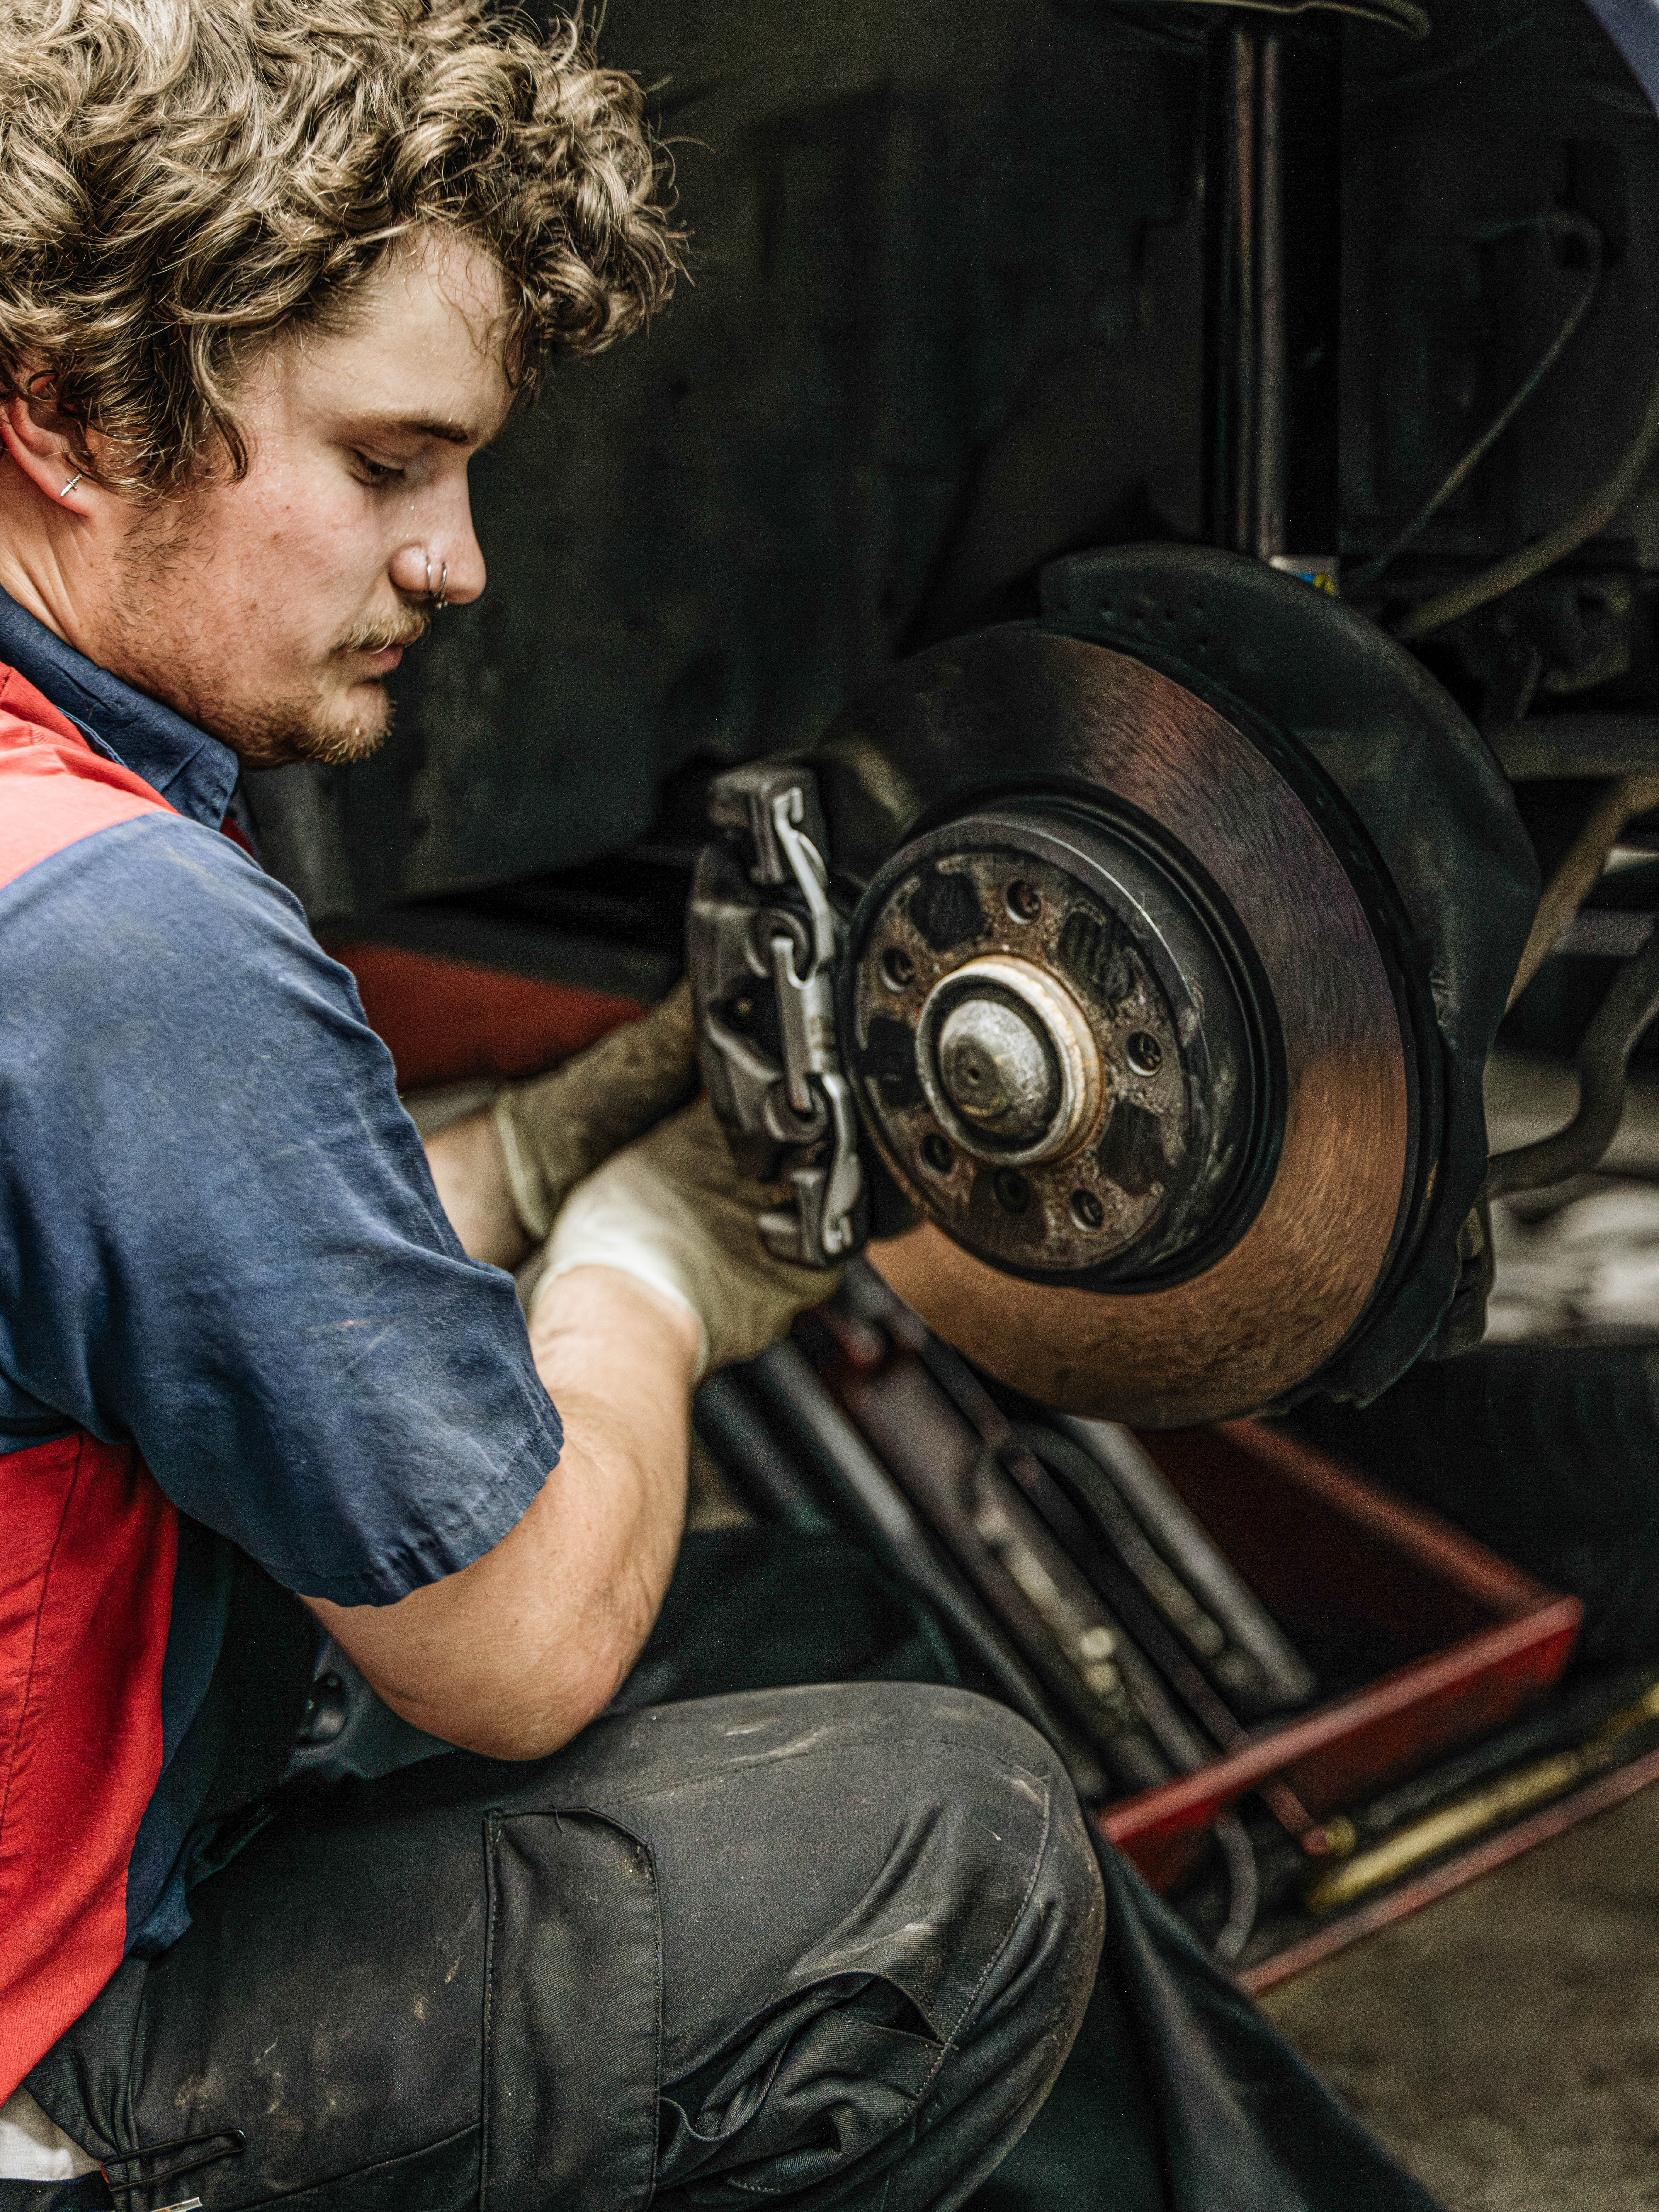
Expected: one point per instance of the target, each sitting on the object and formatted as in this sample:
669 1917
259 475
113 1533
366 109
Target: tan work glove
675 1212
556 1129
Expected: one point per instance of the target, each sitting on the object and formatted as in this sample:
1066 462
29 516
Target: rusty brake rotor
1177 926
1195 1223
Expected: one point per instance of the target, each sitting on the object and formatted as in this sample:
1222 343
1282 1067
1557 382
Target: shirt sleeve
218 1234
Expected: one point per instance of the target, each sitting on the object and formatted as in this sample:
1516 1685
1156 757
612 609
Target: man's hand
503 1173
516 1653
677 1211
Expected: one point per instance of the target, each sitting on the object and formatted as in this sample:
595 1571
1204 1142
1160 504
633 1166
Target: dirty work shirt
233 1318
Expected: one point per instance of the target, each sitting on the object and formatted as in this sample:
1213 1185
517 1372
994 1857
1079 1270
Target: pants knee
1033 1990
1012 2040
1048 1966
931 1838
935 1940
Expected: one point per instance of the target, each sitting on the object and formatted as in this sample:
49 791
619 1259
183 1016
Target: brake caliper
762 940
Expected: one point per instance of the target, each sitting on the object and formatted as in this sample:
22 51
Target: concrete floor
1505 2042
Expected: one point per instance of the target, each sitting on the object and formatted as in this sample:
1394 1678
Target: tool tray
1424 1641
1457 1640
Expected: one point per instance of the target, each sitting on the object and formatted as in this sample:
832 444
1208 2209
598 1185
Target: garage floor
1505 2044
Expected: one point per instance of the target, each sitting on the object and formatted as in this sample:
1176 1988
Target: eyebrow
421 426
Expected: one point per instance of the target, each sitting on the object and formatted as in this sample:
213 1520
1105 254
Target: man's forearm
514 1654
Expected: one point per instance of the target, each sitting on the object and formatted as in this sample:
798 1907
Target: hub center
996 1069
1007 1057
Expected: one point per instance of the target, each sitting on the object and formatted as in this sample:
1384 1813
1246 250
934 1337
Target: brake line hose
1564 223
1594 515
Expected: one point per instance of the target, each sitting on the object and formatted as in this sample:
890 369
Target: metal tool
1279 1678
775 1431
1559 1720
1472 1815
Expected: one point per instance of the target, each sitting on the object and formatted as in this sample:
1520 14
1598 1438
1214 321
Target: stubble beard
329 725
277 733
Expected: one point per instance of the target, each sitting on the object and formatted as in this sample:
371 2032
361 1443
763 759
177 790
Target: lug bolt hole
1024 900
1143 1053
1087 1211
937 1154
1014 1192
898 970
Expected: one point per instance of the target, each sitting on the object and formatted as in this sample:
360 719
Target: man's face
271 612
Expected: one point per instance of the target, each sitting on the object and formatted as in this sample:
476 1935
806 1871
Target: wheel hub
1050 1040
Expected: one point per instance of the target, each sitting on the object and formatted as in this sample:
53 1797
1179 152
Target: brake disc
1171 932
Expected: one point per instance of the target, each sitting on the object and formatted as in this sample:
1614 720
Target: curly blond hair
182 181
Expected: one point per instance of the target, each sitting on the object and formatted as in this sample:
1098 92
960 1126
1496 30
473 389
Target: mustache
407 626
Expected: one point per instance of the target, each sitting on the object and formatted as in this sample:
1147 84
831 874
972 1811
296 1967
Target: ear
29 433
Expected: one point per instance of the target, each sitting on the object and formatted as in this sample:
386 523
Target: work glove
676 1213
556 1129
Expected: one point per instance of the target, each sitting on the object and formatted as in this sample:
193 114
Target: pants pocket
573 2011
429 2006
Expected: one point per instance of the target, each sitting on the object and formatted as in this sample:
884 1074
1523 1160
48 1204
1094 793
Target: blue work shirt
223 1265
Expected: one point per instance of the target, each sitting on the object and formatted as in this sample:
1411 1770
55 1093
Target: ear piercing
70 485
439 601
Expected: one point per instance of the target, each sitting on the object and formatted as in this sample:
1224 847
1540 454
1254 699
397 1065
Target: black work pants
1178 2096
830 1946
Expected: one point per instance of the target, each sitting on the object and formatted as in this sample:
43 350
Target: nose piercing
70 485
439 601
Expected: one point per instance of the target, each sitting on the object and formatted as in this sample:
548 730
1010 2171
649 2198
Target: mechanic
273 272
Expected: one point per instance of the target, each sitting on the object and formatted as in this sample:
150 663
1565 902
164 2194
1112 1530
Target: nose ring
438 598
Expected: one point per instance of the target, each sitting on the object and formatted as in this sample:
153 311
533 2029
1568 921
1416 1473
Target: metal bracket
821 1232
742 944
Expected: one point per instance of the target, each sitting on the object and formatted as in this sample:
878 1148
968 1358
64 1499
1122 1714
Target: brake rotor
1184 917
